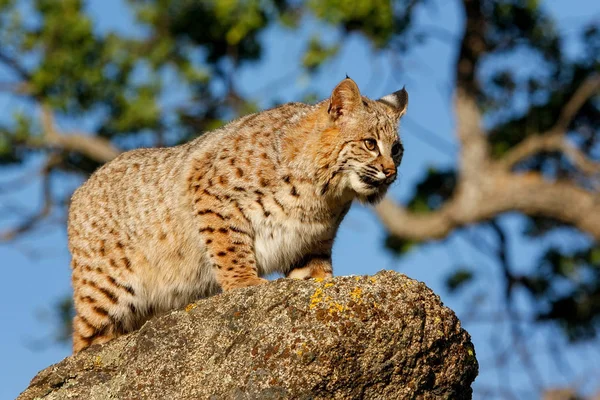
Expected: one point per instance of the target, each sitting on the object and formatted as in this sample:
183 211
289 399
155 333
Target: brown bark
93 147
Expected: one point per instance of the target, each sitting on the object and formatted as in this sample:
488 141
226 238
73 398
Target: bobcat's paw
308 273
244 282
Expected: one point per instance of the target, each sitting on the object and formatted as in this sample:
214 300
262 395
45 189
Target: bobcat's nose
389 172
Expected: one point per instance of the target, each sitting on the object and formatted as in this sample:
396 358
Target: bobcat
156 229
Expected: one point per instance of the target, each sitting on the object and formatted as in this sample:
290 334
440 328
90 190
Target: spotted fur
156 229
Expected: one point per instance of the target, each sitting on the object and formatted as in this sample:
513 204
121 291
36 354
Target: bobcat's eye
397 149
370 144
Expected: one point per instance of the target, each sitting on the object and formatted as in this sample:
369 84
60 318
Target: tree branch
554 139
549 142
502 192
18 88
34 219
93 147
503 259
586 90
15 66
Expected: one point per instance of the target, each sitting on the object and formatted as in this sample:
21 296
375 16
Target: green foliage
572 293
519 23
64 312
398 245
537 227
70 74
374 18
458 278
541 117
433 190
8 153
317 53
133 111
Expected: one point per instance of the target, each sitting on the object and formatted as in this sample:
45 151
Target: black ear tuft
397 101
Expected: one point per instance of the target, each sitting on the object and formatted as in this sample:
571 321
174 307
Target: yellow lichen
373 280
319 280
97 361
335 307
356 294
190 307
328 284
303 349
470 351
357 278
316 298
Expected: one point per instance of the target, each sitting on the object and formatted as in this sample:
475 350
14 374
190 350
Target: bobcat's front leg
316 264
228 239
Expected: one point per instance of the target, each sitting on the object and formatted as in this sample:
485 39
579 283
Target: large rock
370 337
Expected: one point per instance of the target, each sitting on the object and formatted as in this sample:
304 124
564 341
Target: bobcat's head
368 148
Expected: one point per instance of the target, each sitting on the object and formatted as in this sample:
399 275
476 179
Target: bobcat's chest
279 244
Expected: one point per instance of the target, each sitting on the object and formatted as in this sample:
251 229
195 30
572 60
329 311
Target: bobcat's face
370 150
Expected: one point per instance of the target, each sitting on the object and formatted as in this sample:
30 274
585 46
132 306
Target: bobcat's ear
397 101
345 99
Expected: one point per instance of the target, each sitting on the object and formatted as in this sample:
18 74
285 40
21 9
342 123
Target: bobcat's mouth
368 188
375 182
369 181
373 189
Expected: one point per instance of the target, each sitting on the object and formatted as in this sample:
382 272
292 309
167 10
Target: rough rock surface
371 337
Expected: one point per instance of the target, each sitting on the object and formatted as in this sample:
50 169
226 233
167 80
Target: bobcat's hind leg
104 303
85 334
312 266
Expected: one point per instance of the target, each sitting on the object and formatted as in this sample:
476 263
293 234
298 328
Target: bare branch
34 219
14 65
554 139
580 160
528 148
549 142
586 90
559 394
503 259
96 148
17 88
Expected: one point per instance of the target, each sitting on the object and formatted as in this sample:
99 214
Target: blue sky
36 268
